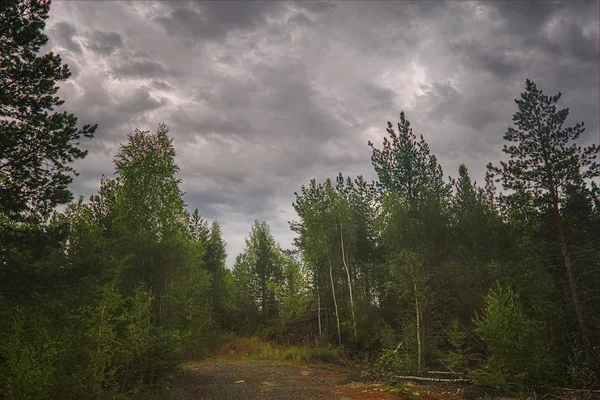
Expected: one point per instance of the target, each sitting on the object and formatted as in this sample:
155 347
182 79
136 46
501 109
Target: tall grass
256 349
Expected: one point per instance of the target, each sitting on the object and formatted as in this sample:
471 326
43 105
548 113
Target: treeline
423 272
411 272
110 293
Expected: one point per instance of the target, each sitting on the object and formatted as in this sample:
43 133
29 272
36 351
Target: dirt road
222 379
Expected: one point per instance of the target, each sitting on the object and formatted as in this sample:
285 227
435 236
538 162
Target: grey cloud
115 113
246 202
528 21
63 34
205 124
104 43
262 97
300 19
482 55
574 43
212 20
442 99
526 18
377 96
138 68
315 6
160 85
139 101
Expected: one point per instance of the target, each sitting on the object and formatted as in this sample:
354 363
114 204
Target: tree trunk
349 283
319 311
99 387
337 316
418 321
263 302
585 338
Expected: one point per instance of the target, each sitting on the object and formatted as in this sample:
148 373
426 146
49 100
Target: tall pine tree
545 161
37 145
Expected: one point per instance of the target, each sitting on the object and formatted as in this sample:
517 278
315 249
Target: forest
499 281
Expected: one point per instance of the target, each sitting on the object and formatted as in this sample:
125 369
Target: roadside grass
256 349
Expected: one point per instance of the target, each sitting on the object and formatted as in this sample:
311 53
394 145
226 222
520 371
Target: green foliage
32 183
294 293
257 349
29 359
579 375
544 155
102 319
518 353
258 274
305 354
140 297
456 335
548 179
396 363
398 354
214 261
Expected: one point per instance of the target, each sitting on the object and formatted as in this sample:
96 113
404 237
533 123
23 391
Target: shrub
456 336
395 362
28 368
518 354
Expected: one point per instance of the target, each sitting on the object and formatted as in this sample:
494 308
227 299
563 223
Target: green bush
254 348
518 354
29 361
456 336
395 362
577 374
399 351
163 354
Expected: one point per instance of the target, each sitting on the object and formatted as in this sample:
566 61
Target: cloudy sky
261 97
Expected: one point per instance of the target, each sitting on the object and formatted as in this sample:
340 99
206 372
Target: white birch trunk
337 316
349 282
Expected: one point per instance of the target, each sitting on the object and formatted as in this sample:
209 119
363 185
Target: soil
233 374
251 379
226 378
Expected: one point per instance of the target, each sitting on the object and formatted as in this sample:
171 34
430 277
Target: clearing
232 374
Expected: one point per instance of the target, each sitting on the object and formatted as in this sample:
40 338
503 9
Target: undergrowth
257 349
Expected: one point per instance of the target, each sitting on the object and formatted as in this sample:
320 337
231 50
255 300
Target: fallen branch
422 378
443 373
588 395
450 369
571 390
550 395
398 347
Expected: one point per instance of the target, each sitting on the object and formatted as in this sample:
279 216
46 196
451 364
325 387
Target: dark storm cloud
571 41
139 101
211 20
263 96
529 20
496 61
138 66
63 33
114 112
315 6
526 18
160 85
104 43
300 19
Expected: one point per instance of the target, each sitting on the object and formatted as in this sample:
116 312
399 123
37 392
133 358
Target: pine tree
545 160
413 221
37 145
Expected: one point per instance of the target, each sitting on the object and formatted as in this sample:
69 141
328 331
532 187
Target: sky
261 97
